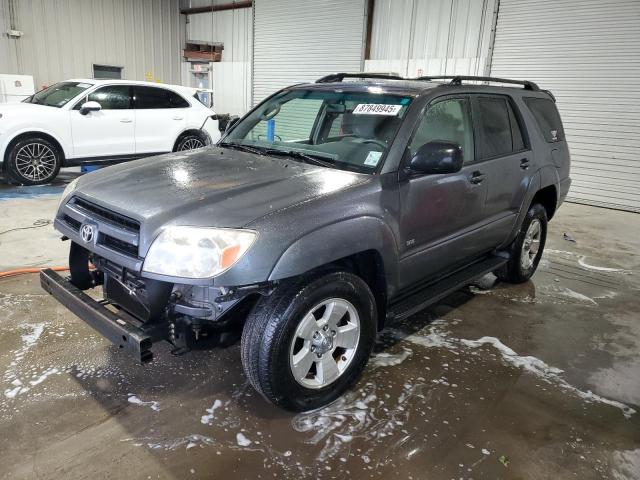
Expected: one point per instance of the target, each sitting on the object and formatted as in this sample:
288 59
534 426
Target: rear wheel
33 161
309 341
526 250
190 141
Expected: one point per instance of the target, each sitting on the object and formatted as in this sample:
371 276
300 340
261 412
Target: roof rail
457 80
338 77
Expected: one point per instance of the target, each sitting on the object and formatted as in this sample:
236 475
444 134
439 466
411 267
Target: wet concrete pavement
535 381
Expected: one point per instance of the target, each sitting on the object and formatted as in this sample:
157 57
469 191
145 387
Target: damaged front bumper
119 328
136 312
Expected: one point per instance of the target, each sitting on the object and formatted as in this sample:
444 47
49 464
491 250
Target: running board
433 292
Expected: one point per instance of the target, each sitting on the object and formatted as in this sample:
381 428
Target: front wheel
33 161
526 250
309 341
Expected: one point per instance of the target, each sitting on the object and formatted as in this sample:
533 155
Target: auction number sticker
376 109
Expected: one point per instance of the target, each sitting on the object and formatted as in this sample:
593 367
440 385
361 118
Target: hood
215 187
23 107
10 113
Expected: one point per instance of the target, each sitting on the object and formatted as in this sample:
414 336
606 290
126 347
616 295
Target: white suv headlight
195 252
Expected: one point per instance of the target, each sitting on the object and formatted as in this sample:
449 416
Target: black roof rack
457 80
338 77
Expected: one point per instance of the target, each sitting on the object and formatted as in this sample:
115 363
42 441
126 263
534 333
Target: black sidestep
429 293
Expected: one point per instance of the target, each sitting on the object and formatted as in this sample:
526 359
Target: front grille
118 245
71 222
101 213
116 232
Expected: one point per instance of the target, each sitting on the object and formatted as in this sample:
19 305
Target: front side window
347 130
448 121
152 97
112 97
59 94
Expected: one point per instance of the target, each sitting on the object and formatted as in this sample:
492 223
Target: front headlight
67 191
194 252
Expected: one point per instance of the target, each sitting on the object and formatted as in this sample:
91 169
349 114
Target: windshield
350 131
59 94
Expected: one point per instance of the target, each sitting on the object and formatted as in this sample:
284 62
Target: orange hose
22 271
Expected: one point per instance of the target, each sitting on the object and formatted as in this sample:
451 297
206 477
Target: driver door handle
477 177
126 120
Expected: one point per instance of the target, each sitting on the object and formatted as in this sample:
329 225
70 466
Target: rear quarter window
547 117
152 97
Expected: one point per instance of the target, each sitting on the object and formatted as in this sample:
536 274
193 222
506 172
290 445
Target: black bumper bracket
116 328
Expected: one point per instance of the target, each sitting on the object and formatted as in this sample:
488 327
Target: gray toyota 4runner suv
326 211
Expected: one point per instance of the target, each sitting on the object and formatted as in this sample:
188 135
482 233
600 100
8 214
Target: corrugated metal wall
587 53
231 77
64 38
430 37
8 46
298 41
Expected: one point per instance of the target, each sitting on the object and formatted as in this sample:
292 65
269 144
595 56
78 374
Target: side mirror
437 157
225 121
90 107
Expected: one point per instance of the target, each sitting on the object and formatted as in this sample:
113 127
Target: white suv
98 122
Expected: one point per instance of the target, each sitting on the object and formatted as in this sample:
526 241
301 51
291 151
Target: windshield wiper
314 160
244 148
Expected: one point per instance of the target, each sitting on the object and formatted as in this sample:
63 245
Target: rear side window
152 97
500 130
495 127
547 117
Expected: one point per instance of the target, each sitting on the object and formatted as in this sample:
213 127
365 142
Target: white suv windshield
59 94
350 131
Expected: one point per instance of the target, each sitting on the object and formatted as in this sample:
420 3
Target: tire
33 161
525 251
272 339
190 141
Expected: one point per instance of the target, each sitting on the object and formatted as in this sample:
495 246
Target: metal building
588 53
298 41
140 39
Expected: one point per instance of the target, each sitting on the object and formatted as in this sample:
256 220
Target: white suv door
109 131
160 117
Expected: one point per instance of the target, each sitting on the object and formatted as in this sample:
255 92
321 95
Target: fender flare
534 186
549 176
35 130
347 237
545 177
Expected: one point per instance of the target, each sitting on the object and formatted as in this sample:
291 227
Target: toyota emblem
87 232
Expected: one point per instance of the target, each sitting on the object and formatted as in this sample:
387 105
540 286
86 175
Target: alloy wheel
531 244
191 144
36 161
325 343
